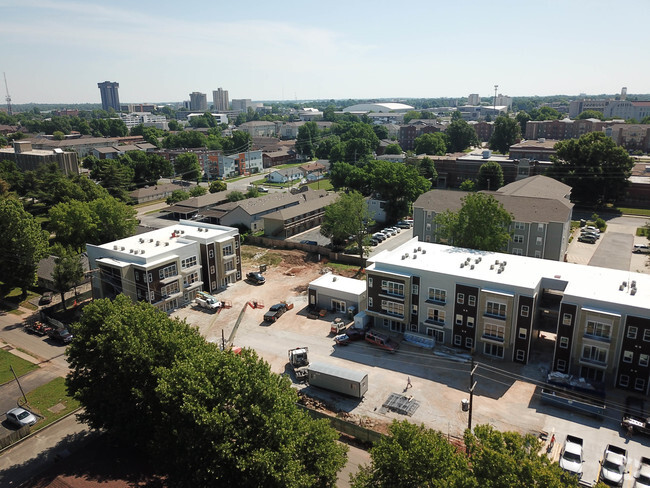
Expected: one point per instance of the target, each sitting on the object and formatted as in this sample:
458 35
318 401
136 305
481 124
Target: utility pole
19 386
472 385
8 97
495 98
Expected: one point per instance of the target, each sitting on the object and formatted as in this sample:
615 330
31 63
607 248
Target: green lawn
323 184
634 211
19 364
51 401
12 300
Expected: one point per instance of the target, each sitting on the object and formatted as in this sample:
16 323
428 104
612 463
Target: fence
14 436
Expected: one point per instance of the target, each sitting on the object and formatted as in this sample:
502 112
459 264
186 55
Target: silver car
21 417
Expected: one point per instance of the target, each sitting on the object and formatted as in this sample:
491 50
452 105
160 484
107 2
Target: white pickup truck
613 466
571 457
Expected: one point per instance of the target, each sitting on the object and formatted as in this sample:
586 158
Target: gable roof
537 186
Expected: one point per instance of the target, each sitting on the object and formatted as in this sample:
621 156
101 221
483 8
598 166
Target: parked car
373 242
643 476
403 224
591 228
21 417
396 229
262 189
388 232
311 243
571 456
355 334
256 278
379 236
587 238
275 312
641 249
382 341
590 233
342 339
613 464
46 298
60 335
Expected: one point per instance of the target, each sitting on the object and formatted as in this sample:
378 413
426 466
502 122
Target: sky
56 51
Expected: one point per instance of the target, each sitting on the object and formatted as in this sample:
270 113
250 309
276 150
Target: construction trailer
341 380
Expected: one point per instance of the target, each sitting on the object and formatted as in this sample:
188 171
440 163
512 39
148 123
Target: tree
410 115
460 135
198 190
427 169
235 196
217 186
177 196
545 113
23 245
468 185
187 166
381 131
522 119
594 167
645 120
481 223
307 139
590 114
393 149
74 224
490 176
57 135
115 218
413 456
252 193
174 125
348 216
505 134
398 184
434 143
67 272
115 176
206 416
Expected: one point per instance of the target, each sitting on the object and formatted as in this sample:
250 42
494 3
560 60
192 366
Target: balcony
597 338
436 301
492 338
439 323
593 362
494 316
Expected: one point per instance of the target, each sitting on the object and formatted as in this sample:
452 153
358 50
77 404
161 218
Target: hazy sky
57 51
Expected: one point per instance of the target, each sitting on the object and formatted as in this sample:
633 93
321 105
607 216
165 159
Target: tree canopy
393 149
461 135
207 417
434 143
348 216
187 166
506 133
217 186
490 176
590 114
594 167
481 223
67 272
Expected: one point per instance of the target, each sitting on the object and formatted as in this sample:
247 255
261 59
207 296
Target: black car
256 278
46 298
275 312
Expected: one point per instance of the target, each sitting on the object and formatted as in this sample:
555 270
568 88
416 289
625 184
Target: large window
518 239
492 350
494 332
229 265
495 309
519 226
471 300
190 278
167 272
436 315
392 288
188 262
170 289
227 250
594 354
631 332
598 330
566 319
392 308
438 295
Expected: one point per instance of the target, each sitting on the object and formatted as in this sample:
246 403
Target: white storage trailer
340 380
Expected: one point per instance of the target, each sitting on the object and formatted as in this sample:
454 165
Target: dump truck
299 361
341 380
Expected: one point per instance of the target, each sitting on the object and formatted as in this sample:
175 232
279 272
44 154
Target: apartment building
582 320
167 267
408 133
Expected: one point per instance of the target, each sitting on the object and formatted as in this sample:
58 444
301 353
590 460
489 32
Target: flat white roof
586 282
330 281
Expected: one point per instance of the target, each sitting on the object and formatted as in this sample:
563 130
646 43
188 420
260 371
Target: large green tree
590 114
594 167
23 245
393 149
217 186
434 143
348 216
115 220
522 119
461 135
205 416
187 166
481 223
67 272
506 133
490 176
308 138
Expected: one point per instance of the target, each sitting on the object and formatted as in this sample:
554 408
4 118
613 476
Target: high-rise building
110 95
241 104
198 101
220 100
473 99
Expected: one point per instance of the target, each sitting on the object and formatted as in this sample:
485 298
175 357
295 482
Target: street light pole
472 385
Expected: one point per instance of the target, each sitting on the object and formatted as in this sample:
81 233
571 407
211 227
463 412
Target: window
594 354
540 227
214 285
458 340
436 315
643 359
561 365
518 239
415 290
226 250
459 319
191 278
538 241
517 252
471 300
170 289
564 342
646 335
140 294
470 321
496 309
392 308
628 356
631 332
538 254
598 330
212 269
521 355
438 335
469 342
370 282
392 288
188 262
167 272
519 226
639 384
211 253
624 381
150 276
494 332
524 310
523 332
414 309
229 265
438 295
493 350
566 319
460 298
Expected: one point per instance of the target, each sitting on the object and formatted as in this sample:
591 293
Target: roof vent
141 251
182 231
620 288
504 263
157 243
403 257
333 278
166 243
633 284
115 246
462 265
415 256
500 270
151 239
122 248
419 248
492 266
414 250
633 291
625 283
141 240
424 251
130 251
471 267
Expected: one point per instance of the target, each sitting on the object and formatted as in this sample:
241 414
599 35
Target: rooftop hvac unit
151 239
419 248
414 250
504 263
499 270
115 247
633 291
141 251
625 283
141 240
424 251
415 256
157 243
462 265
620 288
496 262
471 267
492 266
122 248
333 278
633 284
166 243
130 251
403 257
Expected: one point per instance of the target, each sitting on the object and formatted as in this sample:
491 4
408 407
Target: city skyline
162 51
